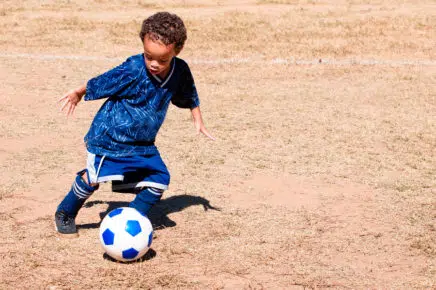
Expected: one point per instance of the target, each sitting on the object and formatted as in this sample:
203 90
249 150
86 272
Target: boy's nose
154 64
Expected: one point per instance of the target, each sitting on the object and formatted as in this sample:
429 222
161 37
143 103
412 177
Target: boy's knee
84 175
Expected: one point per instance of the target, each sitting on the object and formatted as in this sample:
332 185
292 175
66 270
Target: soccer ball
126 234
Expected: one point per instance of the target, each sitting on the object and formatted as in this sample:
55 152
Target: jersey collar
165 81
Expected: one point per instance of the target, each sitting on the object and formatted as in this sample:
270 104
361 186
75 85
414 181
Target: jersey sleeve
186 95
113 83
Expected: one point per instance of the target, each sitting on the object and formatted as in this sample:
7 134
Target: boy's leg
69 207
146 198
150 179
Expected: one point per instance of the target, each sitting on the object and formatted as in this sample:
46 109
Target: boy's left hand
198 123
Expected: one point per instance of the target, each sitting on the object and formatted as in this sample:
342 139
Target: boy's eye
149 57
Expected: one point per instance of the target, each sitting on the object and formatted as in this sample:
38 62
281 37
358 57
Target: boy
120 141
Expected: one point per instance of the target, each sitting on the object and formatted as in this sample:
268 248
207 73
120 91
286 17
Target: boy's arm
198 122
72 98
111 83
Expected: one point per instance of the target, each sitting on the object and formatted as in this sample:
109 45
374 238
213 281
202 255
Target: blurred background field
323 168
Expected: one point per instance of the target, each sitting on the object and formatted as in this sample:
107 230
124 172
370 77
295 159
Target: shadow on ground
150 254
158 215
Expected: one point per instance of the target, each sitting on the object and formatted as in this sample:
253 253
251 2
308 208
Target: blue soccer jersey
136 105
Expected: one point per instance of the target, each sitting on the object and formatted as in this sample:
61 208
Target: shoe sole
71 236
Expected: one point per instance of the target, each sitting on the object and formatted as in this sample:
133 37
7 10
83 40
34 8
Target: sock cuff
155 191
81 189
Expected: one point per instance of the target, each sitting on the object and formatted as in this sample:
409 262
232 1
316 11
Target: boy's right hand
71 99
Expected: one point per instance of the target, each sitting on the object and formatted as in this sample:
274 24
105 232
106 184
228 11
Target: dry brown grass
306 30
324 174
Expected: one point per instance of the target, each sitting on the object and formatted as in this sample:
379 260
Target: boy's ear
141 36
178 51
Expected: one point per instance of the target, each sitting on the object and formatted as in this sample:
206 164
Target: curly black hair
166 27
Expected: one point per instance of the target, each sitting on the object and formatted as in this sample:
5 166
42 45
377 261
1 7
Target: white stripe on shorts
110 178
93 172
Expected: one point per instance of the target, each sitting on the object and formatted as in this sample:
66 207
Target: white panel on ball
126 234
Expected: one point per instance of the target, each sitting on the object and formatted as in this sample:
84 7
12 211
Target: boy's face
158 56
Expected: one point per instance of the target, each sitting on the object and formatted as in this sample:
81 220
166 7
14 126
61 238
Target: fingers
205 133
68 101
64 104
200 128
70 109
63 98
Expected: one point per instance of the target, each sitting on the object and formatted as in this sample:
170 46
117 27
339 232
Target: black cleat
65 224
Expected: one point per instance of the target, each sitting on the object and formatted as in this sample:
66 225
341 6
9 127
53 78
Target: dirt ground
322 174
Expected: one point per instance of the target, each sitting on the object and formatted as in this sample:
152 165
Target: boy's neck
166 72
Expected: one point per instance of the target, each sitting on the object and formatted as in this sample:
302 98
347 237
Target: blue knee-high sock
80 191
146 198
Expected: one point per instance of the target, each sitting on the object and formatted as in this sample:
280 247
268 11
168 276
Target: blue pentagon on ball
130 253
108 237
115 212
133 227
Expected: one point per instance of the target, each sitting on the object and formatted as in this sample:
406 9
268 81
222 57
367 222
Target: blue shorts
128 173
